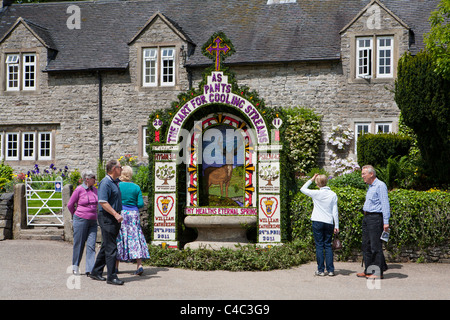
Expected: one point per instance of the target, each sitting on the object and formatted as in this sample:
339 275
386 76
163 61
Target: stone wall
67 103
440 254
6 215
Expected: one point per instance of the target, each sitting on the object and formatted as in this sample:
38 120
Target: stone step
42 233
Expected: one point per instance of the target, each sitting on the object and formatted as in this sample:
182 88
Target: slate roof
261 33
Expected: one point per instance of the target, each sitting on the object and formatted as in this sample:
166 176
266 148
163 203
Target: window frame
384 48
369 57
7 146
164 68
40 148
1 145
162 71
375 56
357 133
33 148
388 124
144 142
25 72
15 63
150 59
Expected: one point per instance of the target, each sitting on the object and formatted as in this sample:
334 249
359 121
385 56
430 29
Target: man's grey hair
370 169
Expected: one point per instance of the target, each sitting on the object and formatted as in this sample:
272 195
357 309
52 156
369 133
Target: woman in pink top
83 207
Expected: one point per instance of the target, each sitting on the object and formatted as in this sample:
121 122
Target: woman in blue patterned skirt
131 244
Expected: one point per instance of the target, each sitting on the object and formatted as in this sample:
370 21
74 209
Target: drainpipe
100 117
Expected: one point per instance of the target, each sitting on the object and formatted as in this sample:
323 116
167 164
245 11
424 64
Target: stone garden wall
6 215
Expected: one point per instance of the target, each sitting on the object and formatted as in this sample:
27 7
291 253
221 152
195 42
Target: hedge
419 219
246 258
376 149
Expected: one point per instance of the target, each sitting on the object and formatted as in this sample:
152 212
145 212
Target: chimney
6 3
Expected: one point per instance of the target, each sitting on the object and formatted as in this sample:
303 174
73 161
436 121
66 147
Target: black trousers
372 247
108 251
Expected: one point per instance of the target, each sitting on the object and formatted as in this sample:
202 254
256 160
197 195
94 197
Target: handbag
337 244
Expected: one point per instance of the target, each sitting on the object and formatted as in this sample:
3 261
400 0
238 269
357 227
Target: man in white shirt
325 212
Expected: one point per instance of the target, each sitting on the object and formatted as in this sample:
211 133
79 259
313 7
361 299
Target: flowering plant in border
302 135
51 173
340 139
127 160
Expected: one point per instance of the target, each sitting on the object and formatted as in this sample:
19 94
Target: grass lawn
34 202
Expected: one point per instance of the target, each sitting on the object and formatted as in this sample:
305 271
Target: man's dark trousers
372 248
108 251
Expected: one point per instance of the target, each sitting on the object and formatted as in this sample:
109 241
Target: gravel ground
38 270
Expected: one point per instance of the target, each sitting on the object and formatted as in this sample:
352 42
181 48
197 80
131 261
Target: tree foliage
438 39
423 97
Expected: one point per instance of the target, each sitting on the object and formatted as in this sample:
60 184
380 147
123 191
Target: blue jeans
323 235
84 232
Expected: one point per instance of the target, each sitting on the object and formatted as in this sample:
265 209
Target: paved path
38 270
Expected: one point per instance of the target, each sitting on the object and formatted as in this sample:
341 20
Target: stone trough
215 232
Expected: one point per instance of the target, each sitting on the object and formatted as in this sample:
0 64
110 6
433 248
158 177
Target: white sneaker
331 274
319 274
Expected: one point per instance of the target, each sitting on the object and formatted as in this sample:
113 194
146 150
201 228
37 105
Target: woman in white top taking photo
324 214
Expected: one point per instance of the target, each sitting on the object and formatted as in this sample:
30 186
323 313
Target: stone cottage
79 79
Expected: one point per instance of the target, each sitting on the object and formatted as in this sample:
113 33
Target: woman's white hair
127 173
87 173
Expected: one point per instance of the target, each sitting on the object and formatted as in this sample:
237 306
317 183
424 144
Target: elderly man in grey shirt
376 220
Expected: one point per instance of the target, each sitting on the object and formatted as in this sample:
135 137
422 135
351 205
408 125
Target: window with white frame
29 71
360 129
45 146
168 66
384 54
383 127
12 72
364 56
375 57
158 66
150 56
28 145
12 146
144 141
20 78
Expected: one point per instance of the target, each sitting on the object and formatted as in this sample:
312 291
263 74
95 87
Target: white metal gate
44 202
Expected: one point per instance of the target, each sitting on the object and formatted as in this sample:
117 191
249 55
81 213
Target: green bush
423 98
376 149
142 178
350 203
6 175
303 136
353 179
419 219
246 258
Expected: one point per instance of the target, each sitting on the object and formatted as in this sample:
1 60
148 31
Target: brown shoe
361 275
373 277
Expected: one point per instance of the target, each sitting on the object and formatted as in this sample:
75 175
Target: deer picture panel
220 173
